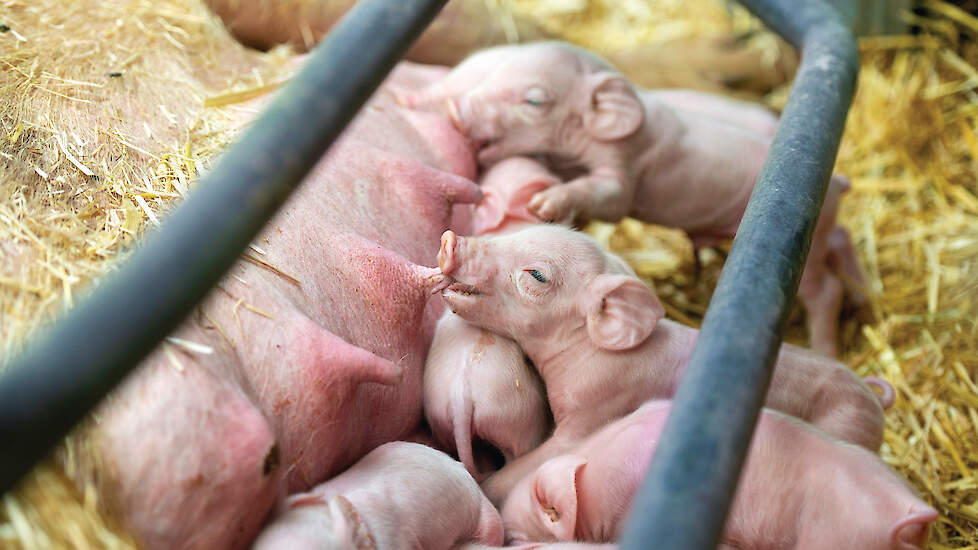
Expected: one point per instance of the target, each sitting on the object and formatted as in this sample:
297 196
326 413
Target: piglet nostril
271 462
446 255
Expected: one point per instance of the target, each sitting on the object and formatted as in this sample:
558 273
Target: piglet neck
559 358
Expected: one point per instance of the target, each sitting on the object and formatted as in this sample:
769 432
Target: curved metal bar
66 371
684 500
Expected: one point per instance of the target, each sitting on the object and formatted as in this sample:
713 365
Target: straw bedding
79 182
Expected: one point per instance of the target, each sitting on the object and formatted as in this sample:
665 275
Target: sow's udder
198 448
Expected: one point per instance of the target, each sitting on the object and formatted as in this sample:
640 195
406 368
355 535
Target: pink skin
399 496
609 360
544 546
743 114
338 415
180 441
507 188
840 496
315 349
317 524
477 386
650 155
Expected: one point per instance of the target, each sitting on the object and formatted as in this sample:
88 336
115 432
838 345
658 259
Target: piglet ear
621 312
348 526
555 490
495 208
615 111
911 532
521 197
488 214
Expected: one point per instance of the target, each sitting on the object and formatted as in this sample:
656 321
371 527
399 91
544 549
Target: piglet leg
828 395
821 292
603 196
842 260
820 289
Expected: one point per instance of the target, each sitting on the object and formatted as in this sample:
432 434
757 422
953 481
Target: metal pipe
686 495
66 371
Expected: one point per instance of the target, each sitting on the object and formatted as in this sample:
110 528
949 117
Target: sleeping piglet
399 496
586 322
478 393
628 152
800 489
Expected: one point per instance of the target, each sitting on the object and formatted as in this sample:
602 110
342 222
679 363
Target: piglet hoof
552 205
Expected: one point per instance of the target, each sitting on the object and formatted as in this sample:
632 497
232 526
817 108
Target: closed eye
536 275
536 96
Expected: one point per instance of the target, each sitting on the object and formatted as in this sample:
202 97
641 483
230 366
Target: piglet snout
446 255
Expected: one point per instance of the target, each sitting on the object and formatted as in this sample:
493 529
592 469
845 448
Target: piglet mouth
464 289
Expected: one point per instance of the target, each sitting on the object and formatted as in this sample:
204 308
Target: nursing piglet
544 546
628 152
586 322
478 387
800 490
399 496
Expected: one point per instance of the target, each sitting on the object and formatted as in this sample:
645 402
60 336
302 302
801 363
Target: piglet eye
536 97
536 275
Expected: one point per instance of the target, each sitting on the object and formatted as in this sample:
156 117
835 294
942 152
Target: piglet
663 158
479 389
544 546
399 496
586 322
743 114
800 489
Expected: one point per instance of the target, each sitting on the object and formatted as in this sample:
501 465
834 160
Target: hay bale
102 126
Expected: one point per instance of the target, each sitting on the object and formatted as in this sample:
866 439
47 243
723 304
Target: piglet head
544 505
547 282
547 97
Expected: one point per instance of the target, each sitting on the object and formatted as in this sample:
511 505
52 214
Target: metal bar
64 374
686 495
